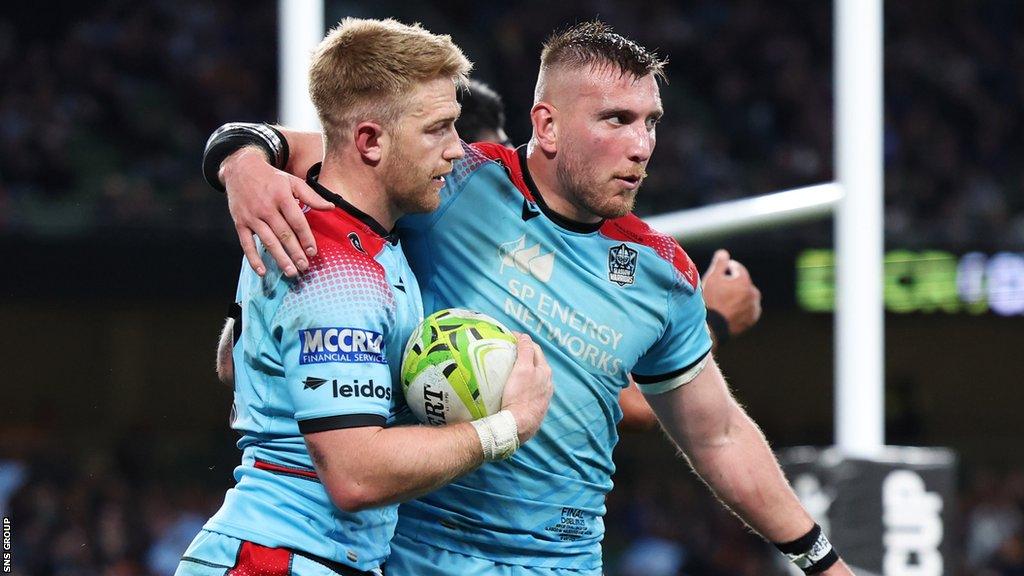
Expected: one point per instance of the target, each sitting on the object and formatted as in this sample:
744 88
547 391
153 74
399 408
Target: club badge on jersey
622 264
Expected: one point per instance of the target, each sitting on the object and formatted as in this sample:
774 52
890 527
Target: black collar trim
313 179
561 221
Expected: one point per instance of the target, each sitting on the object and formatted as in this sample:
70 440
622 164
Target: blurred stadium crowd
98 514
106 105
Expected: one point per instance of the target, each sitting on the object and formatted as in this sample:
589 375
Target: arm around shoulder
243 160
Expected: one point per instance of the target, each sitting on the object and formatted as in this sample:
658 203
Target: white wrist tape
499 435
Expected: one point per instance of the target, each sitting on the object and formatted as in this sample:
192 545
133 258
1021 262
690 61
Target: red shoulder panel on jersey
337 227
344 243
629 228
509 159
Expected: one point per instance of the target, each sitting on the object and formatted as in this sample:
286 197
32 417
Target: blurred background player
316 387
633 295
483 115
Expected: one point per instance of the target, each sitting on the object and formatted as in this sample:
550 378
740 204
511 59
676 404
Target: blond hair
364 70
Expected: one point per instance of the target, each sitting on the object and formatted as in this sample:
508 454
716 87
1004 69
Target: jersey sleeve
683 349
333 326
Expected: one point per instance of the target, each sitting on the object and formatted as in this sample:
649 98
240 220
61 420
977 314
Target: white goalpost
300 28
859 347
855 199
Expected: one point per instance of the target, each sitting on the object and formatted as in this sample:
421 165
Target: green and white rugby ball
455 366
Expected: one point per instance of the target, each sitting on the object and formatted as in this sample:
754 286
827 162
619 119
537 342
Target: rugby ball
455 366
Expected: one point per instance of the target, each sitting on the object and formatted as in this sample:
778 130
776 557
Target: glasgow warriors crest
621 264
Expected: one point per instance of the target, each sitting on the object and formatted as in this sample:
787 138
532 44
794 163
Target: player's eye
442 128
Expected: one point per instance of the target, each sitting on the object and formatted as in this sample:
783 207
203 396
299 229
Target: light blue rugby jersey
602 301
317 354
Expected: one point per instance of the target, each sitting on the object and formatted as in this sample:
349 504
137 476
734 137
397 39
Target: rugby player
316 385
732 299
543 239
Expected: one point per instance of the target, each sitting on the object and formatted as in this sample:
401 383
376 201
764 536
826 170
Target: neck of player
360 188
559 200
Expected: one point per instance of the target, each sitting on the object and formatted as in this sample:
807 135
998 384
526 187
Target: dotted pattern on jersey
667 248
337 275
631 229
462 168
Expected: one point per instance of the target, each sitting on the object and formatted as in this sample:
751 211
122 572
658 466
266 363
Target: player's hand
529 388
263 201
729 290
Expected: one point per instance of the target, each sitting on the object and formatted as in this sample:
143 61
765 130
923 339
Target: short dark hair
595 42
482 111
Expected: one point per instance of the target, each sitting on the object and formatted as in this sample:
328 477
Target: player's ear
544 115
370 141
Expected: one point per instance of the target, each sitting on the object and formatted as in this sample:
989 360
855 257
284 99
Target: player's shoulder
492 151
346 267
631 229
338 232
507 161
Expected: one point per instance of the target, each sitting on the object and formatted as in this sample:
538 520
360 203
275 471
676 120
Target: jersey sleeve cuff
667 382
326 423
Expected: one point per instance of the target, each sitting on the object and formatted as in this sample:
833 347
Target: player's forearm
728 450
741 469
397 464
225 347
299 151
305 149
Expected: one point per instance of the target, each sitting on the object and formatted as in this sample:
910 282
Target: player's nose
640 146
453 150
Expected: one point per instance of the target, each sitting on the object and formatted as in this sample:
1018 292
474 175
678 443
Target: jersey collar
561 221
313 179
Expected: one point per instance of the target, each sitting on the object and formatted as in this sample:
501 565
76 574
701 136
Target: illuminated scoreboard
925 281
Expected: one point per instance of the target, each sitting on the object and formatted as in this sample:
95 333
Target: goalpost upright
300 29
856 199
859 329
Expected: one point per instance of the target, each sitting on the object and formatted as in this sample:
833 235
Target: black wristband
234 136
812 552
719 326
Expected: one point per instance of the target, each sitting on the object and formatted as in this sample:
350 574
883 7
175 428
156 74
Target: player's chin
618 204
421 200
430 199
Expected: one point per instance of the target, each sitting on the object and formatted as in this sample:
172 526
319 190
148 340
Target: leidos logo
530 260
319 345
312 383
353 390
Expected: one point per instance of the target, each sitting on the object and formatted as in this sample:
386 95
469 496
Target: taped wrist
499 435
812 552
234 136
